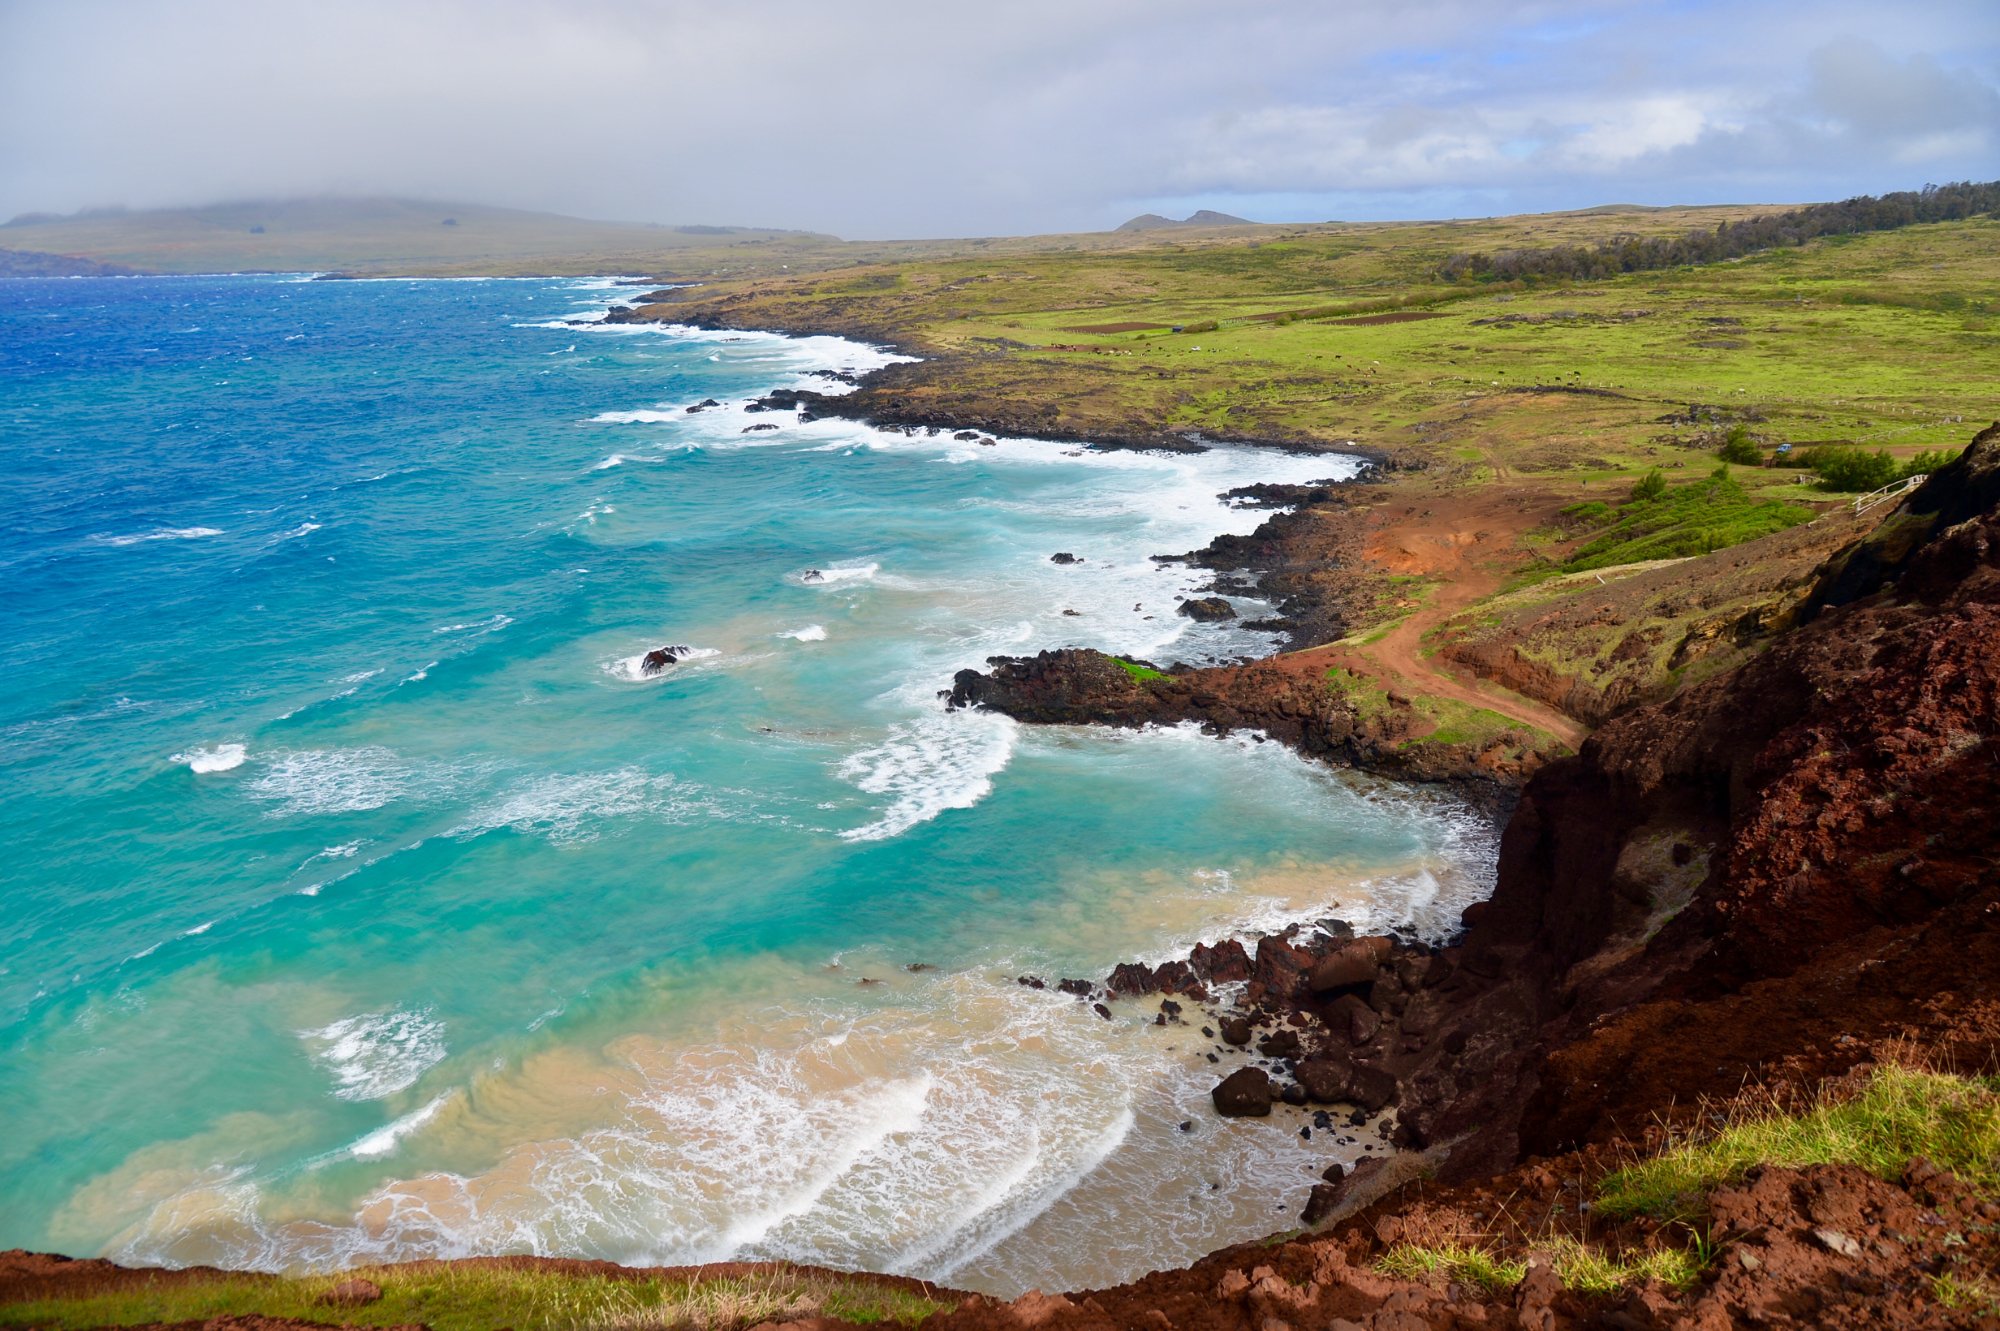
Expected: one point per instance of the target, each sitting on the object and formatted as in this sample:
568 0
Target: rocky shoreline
1776 877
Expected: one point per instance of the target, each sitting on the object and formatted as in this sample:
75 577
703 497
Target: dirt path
1463 540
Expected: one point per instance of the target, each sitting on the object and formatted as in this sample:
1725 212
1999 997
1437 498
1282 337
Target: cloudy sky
881 118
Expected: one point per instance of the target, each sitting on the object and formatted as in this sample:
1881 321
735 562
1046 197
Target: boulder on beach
1207 609
1244 1093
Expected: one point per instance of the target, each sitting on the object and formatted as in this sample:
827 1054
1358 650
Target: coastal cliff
1782 876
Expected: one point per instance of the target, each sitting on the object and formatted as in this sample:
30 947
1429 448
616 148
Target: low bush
1740 448
1842 468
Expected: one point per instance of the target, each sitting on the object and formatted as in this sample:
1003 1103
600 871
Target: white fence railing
1893 490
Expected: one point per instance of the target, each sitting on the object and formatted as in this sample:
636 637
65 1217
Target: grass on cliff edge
1951 1121
1676 521
1900 1113
1578 1265
454 1298
1139 672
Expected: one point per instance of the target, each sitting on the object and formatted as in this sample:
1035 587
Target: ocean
364 900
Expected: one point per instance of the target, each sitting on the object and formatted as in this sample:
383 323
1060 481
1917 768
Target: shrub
1923 464
1740 448
1841 468
1651 486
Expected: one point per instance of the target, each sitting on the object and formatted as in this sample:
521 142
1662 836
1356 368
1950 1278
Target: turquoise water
363 900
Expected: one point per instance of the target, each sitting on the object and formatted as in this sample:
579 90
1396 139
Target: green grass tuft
1455 1261
1954 1122
1966 1293
1139 672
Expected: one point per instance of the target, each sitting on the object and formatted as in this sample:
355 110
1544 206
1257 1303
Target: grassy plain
1335 334
1513 403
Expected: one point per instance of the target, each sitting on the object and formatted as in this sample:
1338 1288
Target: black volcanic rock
1207 609
1244 1093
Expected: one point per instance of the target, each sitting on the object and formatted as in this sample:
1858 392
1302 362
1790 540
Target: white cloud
885 117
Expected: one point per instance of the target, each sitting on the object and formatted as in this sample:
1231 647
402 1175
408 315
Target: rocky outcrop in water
1073 686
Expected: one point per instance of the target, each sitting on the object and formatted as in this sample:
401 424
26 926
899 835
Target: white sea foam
491 624
810 633
941 761
303 529
214 758
377 1053
163 534
566 807
309 782
834 574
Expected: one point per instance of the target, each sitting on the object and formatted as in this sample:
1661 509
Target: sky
876 119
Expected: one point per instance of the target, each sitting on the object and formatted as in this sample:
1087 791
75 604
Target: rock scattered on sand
1244 1093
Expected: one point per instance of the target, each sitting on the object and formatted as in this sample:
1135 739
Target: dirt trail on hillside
1463 540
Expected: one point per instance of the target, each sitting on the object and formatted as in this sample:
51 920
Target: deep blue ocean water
363 900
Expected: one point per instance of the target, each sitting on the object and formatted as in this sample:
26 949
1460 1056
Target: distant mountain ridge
377 235
1206 217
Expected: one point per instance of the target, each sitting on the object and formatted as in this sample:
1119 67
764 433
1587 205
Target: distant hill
1206 217
34 263
370 235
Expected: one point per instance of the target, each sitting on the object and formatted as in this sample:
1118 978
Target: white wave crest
938 762
377 1053
810 633
214 757
163 534
385 1139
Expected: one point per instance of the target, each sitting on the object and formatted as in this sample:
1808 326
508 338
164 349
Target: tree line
1730 240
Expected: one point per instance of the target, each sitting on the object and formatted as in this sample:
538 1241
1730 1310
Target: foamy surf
927 766
832 575
214 758
377 1054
